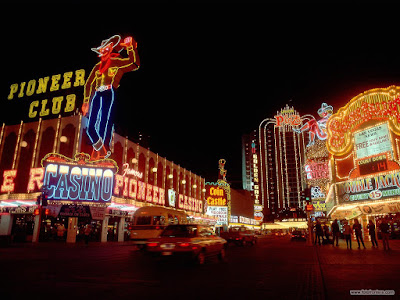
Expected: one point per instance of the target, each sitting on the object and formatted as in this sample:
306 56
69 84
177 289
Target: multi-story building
281 161
249 147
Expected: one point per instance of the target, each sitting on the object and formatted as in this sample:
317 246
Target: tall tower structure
282 157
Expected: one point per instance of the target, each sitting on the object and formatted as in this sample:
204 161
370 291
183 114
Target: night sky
206 77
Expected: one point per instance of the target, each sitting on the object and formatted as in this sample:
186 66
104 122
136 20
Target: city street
275 268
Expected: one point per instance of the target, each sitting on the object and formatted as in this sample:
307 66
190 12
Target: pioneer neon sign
69 182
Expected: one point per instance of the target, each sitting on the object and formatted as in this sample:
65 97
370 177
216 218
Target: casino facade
364 149
49 153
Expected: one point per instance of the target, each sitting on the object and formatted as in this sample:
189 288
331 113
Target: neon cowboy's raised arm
131 63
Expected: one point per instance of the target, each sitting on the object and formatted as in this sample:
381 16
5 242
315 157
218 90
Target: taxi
191 240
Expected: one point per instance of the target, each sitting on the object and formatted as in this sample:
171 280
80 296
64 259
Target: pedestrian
359 234
60 231
335 232
88 230
347 234
371 230
318 233
384 227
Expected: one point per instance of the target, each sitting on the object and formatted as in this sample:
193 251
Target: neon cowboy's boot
102 152
98 150
94 155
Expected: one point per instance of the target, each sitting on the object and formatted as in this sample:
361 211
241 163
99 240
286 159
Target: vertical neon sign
99 93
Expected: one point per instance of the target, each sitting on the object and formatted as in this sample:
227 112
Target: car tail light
184 244
152 244
238 238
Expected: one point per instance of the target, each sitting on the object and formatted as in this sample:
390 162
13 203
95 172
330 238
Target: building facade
23 146
249 147
364 159
282 150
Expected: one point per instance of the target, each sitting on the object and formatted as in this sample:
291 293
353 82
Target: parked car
196 242
298 235
240 236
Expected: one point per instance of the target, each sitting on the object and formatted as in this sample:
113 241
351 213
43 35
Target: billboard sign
78 180
370 188
216 195
372 141
48 96
221 212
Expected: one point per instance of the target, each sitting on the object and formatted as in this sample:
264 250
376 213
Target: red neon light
289 120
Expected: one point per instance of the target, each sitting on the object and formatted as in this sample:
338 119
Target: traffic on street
275 268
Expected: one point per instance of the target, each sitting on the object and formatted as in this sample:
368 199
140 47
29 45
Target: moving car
194 241
298 235
240 236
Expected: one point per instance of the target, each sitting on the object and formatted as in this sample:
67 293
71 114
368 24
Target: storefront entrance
22 228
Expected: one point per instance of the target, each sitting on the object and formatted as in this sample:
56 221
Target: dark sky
206 77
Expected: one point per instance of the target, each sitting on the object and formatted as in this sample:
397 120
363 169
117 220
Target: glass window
205 232
185 231
143 220
170 219
158 220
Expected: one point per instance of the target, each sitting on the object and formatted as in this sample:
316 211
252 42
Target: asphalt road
275 268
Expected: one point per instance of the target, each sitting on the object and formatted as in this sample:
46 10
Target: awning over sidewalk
354 210
285 225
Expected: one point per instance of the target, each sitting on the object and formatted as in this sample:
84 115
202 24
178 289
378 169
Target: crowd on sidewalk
323 233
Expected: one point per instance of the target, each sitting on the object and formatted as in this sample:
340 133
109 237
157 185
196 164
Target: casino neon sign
78 179
67 182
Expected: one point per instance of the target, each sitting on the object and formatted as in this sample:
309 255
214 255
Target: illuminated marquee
189 203
132 188
316 170
256 189
287 120
372 141
370 188
68 182
375 104
78 179
55 91
215 196
219 212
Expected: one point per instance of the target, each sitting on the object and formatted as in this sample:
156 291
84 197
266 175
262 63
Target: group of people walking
323 231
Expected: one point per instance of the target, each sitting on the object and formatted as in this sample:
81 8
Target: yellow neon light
374 104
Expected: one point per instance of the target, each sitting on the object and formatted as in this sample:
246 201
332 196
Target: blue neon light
64 182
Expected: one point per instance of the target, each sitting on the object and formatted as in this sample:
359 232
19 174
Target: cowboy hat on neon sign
106 47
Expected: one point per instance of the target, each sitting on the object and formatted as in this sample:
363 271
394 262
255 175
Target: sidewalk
393 244
343 270
61 244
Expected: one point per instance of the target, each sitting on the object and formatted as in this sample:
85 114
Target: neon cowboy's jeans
101 125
